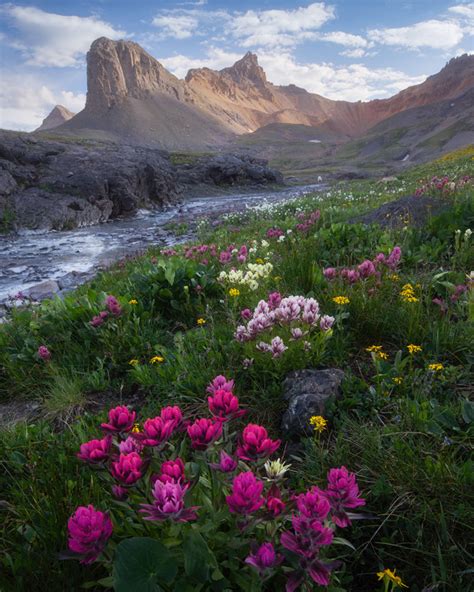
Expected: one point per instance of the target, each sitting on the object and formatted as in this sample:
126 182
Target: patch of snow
405 158
315 141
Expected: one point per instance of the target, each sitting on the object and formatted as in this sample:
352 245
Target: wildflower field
156 460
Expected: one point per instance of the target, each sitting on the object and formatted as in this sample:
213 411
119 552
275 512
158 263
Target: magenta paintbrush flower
44 353
256 443
113 306
131 444
225 405
95 451
169 503
203 432
313 504
220 383
156 431
226 463
128 469
121 419
342 492
264 558
246 496
173 414
89 530
172 471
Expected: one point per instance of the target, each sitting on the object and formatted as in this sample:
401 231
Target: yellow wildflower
318 422
377 351
387 575
373 348
435 367
382 355
394 277
259 260
134 362
414 349
397 380
201 321
341 300
133 301
157 360
136 428
234 292
408 293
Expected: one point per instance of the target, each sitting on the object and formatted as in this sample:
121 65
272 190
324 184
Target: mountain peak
247 68
57 117
120 69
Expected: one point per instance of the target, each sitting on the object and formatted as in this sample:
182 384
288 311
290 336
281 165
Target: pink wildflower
342 493
224 405
246 496
169 503
128 469
44 353
226 463
89 530
256 443
121 419
329 273
204 432
156 431
326 322
172 470
95 451
264 558
113 306
220 383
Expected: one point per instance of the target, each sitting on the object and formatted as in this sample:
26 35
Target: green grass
409 442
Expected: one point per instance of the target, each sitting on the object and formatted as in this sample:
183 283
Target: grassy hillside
403 425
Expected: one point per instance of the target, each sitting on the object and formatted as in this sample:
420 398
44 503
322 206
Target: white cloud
354 53
346 39
216 59
25 100
434 34
272 28
177 27
464 10
48 39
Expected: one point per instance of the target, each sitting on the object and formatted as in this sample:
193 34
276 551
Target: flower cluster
443 185
306 222
113 308
407 294
249 276
366 269
377 352
297 316
251 487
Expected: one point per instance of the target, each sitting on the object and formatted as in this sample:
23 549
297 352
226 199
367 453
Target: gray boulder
308 393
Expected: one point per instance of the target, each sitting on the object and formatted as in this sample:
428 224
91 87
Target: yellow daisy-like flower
134 362
259 260
133 301
318 422
201 321
394 277
234 292
414 349
157 360
373 348
136 428
436 367
377 351
397 380
387 575
382 355
407 293
341 300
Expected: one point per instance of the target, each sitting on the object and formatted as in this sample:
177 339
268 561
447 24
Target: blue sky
342 49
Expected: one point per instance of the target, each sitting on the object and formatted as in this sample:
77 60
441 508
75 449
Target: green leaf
198 558
467 411
141 564
342 541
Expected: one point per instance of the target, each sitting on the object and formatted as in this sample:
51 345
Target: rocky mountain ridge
56 117
132 97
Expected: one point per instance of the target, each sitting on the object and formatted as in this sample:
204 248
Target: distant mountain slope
57 117
132 97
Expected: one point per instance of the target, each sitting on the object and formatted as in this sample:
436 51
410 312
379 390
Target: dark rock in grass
308 393
409 210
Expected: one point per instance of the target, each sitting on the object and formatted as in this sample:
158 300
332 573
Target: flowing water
70 257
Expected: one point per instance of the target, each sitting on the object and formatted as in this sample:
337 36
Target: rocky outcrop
65 184
57 117
308 392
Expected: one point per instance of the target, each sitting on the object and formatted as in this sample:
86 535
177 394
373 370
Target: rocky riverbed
41 264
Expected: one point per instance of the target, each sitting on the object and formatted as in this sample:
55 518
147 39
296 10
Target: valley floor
396 312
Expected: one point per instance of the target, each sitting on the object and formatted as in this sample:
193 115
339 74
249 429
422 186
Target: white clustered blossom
249 277
276 469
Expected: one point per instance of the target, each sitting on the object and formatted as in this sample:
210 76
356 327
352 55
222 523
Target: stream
71 257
